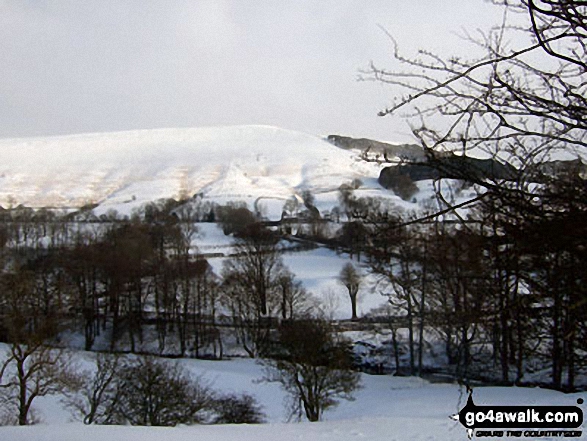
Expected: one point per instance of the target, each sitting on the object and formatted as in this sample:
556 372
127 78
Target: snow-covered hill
122 170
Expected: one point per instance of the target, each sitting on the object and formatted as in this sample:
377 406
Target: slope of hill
386 408
122 170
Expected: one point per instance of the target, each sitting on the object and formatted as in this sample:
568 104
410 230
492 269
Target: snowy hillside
122 170
385 408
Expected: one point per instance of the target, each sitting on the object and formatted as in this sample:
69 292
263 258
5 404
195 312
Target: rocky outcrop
563 167
372 148
415 166
450 166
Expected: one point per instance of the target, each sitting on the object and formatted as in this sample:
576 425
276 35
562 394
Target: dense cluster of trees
258 287
138 285
109 277
121 278
505 297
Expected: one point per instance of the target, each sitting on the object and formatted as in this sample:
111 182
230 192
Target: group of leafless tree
120 279
141 391
507 276
132 283
145 391
499 300
107 277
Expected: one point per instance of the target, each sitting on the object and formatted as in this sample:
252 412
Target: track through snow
122 170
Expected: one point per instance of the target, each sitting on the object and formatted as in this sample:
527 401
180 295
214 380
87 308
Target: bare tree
256 261
96 400
524 101
396 260
237 409
156 393
31 368
389 313
251 328
351 278
250 286
294 300
31 371
312 366
521 100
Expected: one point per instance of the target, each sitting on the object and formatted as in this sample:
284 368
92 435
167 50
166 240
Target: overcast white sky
71 66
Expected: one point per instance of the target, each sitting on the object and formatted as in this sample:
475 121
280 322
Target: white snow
122 170
386 408
317 269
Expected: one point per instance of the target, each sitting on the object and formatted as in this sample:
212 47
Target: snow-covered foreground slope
386 408
125 169
374 429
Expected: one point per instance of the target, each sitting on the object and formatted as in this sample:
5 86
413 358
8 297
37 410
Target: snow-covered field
386 408
317 269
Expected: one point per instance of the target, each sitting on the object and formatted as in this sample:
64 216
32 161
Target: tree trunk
395 344
411 335
354 306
